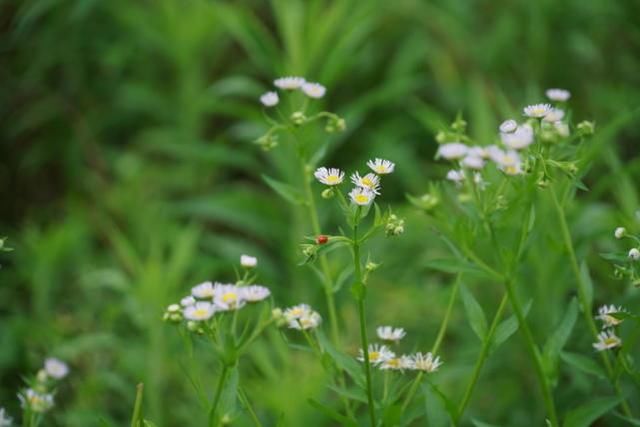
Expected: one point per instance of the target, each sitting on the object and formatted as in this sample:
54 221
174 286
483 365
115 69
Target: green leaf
356 394
147 423
453 265
507 328
586 279
449 405
474 312
586 414
478 423
288 192
344 362
435 408
583 363
331 413
558 339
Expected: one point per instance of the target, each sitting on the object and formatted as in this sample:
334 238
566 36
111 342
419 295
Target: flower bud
371 266
42 376
298 118
634 254
620 232
394 226
586 128
328 193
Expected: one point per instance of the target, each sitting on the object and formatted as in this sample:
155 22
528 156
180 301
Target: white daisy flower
537 110
302 317
201 310
605 315
397 363
452 151
510 163
558 94
634 254
247 261
377 354
508 126
477 151
332 176
455 176
521 138
554 115
5 419
228 297
203 290
562 128
56 368
370 181
473 162
494 153
289 83
187 301
314 90
36 401
269 99
362 196
607 340
388 333
381 166
255 293
426 362
620 232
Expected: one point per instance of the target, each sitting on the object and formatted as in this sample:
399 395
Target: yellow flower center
611 341
381 169
511 170
367 182
333 179
373 356
394 363
200 312
296 312
230 297
361 198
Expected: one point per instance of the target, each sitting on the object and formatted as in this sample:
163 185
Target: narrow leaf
287 191
586 414
474 312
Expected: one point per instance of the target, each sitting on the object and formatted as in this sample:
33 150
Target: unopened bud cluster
394 226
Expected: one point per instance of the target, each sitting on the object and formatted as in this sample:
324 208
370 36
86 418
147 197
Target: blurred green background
128 175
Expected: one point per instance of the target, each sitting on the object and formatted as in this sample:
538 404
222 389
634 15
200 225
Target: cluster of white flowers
514 138
36 401
607 339
311 89
5 419
620 233
367 187
301 317
382 357
37 398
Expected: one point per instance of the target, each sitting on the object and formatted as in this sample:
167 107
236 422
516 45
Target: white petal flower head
270 99
495 153
35 401
381 166
56 368
302 317
555 94
562 128
473 162
510 163
5 420
521 138
329 176
605 315
203 290
228 297
477 151
607 340
255 293
397 363
362 196
377 354
388 333
508 126
452 151
290 82
187 301
201 310
634 254
537 110
296 312
426 362
554 115
455 176
248 261
310 321
620 232
314 90
370 181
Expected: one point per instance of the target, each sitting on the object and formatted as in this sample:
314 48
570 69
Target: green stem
534 352
362 315
582 294
484 353
412 391
137 406
245 401
447 315
216 399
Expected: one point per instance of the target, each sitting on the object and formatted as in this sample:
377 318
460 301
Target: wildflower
187 301
477 151
397 363
509 163
394 226
5 420
248 261
473 162
452 151
269 99
370 181
554 115
620 232
322 239
302 317
228 297
508 126
255 293
455 176
289 83
388 333
381 166
330 176
56 368
537 110
377 354
313 90
36 401
201 310
607 340
426 362
521 138
203 290
634 254
558 94
362 196
298 118
605 314
562 128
